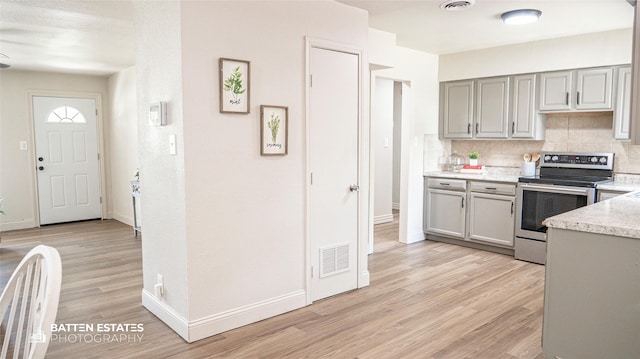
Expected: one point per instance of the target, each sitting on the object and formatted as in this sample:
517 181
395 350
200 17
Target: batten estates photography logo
93 333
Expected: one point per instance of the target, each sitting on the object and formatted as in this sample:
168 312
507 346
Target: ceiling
97 36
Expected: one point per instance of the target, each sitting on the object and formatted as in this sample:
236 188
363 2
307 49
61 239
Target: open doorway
387 121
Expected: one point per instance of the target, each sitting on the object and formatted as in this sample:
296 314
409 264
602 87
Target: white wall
227 229
596 49
382 126
17 177
420 70
162 177
397 143
123 147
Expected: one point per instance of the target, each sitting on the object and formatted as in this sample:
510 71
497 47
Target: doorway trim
101 145
363 164
404 154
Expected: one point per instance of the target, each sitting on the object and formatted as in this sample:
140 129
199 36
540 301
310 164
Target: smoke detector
456 5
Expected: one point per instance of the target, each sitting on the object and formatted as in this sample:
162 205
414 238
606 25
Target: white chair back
29 304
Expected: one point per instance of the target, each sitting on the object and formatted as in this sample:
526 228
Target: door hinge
311 177
310 80
98 157
100 199
96 112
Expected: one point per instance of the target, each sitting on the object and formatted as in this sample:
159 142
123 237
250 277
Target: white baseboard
194 330
395 206
124 219
12 226
175 321
385 218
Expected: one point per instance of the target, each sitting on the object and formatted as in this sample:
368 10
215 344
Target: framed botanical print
234 86
274 130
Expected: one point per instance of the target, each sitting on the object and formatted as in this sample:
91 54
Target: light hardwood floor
426 300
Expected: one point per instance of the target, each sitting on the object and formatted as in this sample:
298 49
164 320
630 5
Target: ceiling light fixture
521 16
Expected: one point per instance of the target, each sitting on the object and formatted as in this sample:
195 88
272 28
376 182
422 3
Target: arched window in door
66 114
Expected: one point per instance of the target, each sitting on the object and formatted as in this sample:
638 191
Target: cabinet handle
491 188
578 98
462 202
567 99
512 207
468 128
444 184
513 127
477 127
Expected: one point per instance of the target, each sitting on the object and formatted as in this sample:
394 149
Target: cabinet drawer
446 183
493 187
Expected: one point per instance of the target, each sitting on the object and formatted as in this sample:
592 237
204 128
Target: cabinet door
555 90
492 108
491 218
445 212
622 115
594 89
523 111
458 109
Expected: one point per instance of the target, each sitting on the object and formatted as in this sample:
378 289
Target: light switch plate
173 150
23 145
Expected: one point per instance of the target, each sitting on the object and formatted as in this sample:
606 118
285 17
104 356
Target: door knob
354 188
41 168
40 159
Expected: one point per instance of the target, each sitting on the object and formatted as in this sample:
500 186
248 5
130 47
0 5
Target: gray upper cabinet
594 89
525 121
456 108
492 108
502 108
555 90
622 111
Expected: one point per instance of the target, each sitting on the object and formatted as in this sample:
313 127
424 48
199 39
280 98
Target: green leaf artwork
274 125
233 84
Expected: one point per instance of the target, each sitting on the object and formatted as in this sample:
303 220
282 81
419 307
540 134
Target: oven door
537 202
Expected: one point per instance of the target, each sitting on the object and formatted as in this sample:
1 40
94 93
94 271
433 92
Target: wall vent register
334 260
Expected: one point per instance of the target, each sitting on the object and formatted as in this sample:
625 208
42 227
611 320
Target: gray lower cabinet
445 207
473 211
591 296
491 218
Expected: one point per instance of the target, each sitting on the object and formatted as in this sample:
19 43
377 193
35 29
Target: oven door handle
555 189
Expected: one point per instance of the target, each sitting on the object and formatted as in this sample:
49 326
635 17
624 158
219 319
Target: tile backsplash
565 132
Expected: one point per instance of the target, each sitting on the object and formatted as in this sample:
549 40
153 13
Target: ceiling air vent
456 5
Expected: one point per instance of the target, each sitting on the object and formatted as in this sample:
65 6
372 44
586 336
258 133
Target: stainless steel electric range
566 181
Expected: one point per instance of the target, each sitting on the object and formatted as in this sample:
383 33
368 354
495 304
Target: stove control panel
577 160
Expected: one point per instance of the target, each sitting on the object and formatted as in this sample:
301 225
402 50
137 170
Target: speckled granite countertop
495 174
616 217
623 182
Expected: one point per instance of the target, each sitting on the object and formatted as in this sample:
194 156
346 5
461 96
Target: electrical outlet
158 288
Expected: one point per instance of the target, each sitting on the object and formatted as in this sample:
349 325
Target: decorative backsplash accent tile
565 132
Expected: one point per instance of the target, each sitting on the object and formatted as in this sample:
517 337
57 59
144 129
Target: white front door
333 162
67 164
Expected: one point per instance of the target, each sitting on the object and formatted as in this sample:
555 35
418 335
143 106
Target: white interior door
68 174
333 162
